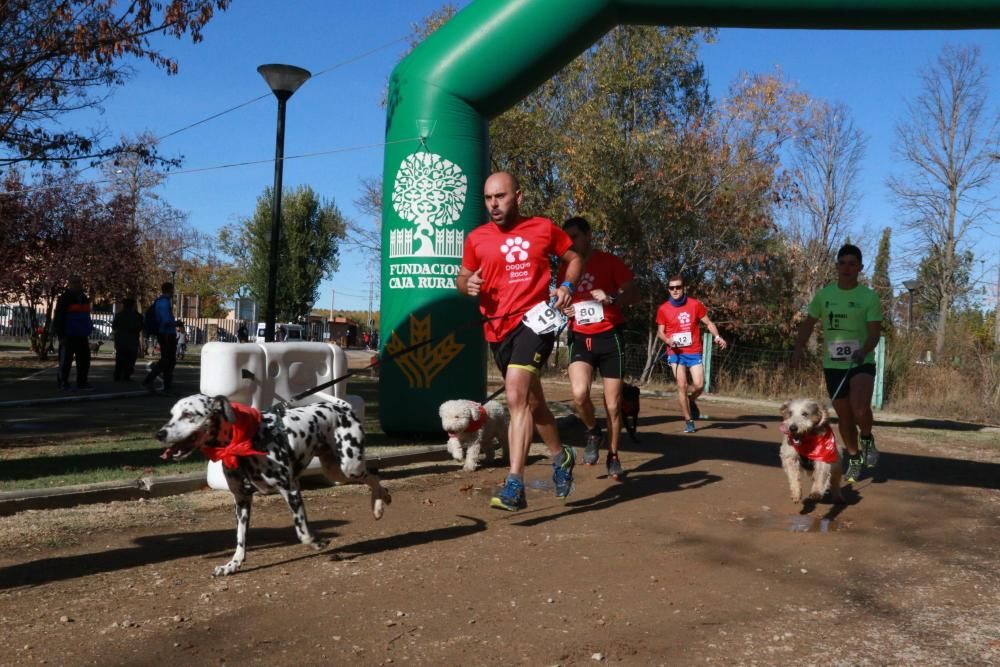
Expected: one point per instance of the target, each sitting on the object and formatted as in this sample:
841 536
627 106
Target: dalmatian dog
267 452
809 445
474 428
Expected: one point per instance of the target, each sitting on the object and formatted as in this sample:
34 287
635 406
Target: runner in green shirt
852 320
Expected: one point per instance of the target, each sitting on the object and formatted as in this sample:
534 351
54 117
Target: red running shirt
515 269
682 320
606 272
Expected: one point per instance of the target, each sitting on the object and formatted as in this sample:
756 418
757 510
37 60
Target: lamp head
283 80
911 285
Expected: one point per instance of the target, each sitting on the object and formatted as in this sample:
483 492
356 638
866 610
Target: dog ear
223 405
824 416
784 409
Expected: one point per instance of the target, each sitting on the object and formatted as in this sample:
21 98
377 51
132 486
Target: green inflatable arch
441 97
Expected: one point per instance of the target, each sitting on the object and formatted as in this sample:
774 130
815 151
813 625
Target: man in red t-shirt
595 342
677 325
505 263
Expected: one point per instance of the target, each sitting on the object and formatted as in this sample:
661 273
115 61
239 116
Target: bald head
502 195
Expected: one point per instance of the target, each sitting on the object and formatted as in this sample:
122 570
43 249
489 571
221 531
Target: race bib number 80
543 319
588 312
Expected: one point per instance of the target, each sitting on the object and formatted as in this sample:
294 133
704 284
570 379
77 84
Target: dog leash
247 374
840 386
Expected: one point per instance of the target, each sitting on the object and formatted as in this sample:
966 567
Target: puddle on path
796 523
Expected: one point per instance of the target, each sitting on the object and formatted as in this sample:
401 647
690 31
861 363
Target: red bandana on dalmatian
816 447
241 444
476 424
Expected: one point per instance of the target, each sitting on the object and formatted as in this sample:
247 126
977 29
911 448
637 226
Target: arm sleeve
469 259
559 241
874 311
814 310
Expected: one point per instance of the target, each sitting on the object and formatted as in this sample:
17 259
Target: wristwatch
612 298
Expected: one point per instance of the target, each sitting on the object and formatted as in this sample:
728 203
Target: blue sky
872 72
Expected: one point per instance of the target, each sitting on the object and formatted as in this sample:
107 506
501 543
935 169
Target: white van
293 332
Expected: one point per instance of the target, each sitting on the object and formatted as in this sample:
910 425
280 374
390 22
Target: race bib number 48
588 312
543 319
841 350
681 339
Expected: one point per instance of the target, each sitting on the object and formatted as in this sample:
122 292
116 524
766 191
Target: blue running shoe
510 497
689 426
562 472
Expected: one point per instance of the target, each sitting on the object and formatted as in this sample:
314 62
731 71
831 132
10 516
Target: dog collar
476 424
817 446
241 441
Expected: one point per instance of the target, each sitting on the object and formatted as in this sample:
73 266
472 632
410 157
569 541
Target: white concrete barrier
274 372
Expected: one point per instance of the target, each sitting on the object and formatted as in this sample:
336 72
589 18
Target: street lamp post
911 287
284 80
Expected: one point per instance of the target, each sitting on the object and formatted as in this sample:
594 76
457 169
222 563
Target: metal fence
15 322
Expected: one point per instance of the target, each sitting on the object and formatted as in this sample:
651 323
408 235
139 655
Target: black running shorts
603 351
523 348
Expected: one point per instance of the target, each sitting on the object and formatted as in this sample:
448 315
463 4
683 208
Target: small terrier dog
474 428
809 444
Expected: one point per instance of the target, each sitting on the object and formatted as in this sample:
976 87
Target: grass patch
127 454
87 460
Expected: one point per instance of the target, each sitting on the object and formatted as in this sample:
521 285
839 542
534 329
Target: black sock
597 428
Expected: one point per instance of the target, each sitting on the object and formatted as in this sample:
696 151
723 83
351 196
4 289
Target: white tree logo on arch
430 192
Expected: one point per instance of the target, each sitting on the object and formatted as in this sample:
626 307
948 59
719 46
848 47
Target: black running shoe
855 464
592 448
868 450
614 466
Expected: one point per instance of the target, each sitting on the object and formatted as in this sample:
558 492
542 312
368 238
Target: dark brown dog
630 409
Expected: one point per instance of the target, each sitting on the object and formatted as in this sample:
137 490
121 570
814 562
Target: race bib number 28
841 350
543 319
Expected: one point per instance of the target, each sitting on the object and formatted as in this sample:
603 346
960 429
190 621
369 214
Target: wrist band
567 284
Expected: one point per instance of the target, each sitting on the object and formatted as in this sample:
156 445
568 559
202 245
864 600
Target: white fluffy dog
809 444
473 429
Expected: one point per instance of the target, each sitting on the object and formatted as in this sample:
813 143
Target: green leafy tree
880 281
944 279
627 136
311 230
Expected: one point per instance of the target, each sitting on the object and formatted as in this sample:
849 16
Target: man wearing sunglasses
677 325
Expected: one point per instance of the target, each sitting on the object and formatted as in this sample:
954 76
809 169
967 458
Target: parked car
293 332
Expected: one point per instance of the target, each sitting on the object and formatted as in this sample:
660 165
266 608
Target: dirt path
697 557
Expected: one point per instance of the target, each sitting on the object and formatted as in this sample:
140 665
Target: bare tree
946 143
826 162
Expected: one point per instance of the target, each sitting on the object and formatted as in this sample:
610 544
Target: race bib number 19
543 319
588 312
